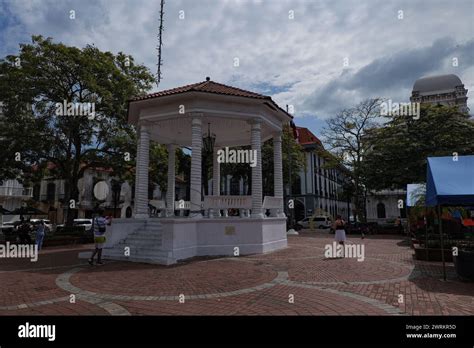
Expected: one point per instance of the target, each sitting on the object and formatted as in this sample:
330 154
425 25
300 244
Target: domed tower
440 89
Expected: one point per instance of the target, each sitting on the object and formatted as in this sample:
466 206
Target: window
51 191
36 192
296 188
381 211
235 186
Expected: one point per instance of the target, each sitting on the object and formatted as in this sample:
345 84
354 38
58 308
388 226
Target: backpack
100 225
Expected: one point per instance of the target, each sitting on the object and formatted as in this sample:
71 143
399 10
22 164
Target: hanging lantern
209 140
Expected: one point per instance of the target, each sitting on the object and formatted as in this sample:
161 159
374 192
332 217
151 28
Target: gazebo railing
214 205
273 204
157 208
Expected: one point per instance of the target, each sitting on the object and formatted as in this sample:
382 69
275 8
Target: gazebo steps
160 257
144 245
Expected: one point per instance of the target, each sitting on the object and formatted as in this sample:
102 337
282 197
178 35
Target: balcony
51 197
22 192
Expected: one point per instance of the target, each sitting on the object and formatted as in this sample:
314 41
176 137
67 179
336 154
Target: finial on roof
208 78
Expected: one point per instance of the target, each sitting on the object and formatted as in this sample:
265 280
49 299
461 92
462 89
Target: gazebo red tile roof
205 86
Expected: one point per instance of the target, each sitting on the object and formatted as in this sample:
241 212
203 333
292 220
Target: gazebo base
168 240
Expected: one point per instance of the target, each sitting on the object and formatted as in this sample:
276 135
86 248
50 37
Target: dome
436 83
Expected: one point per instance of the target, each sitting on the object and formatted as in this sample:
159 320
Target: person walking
99 223
340 234
40 231
398 225
24 231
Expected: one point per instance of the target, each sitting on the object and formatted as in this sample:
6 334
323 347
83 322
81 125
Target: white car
318 222
47 224
87 223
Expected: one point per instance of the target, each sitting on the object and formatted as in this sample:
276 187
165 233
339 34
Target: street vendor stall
449 182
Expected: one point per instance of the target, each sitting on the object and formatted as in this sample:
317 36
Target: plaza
298 280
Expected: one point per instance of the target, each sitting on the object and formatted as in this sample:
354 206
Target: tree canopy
45 89
399 150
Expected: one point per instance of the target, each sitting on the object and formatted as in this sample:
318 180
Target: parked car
11 233
318 222
8 233
86 223
47 224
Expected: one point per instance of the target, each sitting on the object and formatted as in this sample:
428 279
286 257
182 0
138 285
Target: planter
433 254
464 264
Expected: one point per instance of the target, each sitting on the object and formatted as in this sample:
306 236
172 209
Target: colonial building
384 206
49 195
12 192
318 189
441 89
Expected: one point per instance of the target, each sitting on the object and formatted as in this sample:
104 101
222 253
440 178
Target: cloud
392 76
299 60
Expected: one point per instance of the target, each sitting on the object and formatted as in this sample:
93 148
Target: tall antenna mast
160 43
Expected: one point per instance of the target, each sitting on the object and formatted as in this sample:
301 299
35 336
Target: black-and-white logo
37 331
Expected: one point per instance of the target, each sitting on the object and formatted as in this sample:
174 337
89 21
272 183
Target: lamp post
116 188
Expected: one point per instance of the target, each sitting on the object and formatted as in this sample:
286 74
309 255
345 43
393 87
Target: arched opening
299 210
296 187
381 211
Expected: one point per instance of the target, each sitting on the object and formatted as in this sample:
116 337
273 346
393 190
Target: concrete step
148 254
147 233
144 237
140 245
161 260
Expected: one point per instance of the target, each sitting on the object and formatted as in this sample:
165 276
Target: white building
441 89
12 192
384 206
318 189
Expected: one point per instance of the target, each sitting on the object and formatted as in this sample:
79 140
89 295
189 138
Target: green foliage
344 134
400 148
51 73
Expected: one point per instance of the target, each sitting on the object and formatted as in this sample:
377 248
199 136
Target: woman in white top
338 226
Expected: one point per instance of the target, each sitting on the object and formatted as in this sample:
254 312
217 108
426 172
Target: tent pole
425 222
442 243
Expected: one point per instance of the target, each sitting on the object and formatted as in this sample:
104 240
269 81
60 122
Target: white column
216 179
196 145
141 172
256 141
216 175
170 188
278 172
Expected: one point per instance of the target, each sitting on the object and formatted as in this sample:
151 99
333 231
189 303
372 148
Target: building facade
385 206
441 89
318 189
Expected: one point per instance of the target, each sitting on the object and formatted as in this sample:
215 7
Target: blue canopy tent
449 182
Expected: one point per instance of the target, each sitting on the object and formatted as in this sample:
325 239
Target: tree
344 134
399 150
93 86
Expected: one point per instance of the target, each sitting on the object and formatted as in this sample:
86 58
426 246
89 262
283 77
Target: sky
318 56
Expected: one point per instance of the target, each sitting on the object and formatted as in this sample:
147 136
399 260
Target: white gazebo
180 117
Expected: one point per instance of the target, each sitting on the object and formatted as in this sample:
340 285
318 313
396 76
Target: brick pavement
296 281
